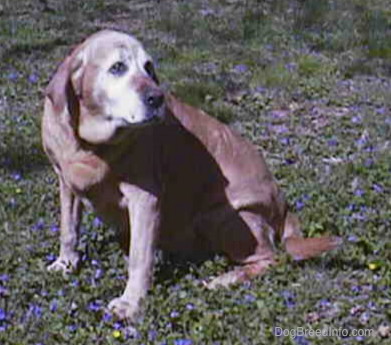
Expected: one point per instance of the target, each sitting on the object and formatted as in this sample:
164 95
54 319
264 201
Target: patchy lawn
308 82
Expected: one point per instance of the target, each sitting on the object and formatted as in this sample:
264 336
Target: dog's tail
301 248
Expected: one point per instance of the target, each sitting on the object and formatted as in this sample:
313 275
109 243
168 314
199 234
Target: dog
166 174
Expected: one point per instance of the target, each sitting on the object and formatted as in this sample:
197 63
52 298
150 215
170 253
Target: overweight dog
165 174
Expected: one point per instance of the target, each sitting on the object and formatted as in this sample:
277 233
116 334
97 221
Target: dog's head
107 83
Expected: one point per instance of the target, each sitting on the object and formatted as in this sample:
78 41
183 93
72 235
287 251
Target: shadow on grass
23 159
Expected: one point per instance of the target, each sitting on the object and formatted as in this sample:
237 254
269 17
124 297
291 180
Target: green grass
308 82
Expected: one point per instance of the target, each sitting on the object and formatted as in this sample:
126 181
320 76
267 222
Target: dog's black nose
154 98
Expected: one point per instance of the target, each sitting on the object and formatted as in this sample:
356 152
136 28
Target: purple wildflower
183 342
16 176
332 142
118 325
381 110
51 257
174 314
53 305
289 299
241 68
94 306
368 162
324 303
107 317
98 273
356 119
4 277
361 141
33 78
54 228
353 238
285 141
35 310
13 76
289 161
72 328
152 335
3 315
190 306
39 225
97 222
94 262
356 288
3 291
300 340
377 188
291 66
359 192
249 298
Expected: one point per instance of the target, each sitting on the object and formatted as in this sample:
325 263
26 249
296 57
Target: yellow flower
373 266
116 334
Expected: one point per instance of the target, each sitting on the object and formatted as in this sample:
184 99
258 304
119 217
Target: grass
308 82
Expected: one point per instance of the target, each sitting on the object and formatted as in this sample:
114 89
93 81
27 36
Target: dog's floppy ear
65 85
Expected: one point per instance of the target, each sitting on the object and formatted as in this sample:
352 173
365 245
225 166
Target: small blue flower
13 76
35 310
300 340
152 335
291 66
3 291
249 298
241 68
95 305
353 238
183 342
98 273
53 306
4 277
285 141
16 176
97 222
118 325
107 317
299 205
33 78
289 299
3 315
174 314
39 225
359 192
72 328
377 188
381 110
356 119
190 306
54 228
324 303
332 142
51 257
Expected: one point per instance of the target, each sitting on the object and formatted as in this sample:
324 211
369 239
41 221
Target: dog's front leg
144 222
71 209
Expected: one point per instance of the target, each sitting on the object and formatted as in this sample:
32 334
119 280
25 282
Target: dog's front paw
65 265
123 309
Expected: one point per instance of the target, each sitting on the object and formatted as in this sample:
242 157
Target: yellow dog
178 178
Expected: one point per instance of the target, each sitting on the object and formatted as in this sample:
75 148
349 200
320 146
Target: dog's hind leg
248 240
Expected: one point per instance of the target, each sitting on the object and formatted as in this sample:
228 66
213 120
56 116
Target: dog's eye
118 69
151 71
